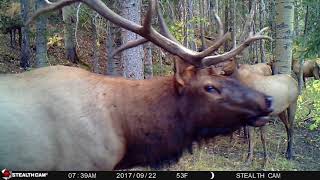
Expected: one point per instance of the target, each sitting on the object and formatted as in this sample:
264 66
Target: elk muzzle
263 118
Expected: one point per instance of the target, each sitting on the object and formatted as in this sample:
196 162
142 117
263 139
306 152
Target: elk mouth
258 121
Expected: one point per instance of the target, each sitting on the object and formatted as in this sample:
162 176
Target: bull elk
66 118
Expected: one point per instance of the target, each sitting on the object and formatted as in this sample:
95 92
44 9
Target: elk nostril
268 101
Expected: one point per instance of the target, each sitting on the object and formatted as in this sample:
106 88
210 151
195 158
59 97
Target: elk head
219 103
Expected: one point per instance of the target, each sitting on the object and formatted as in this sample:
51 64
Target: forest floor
220 153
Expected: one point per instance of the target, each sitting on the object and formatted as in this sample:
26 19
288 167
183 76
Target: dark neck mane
156 132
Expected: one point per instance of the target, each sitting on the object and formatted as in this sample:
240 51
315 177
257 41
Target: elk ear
183 73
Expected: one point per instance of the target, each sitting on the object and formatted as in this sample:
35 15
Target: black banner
159 175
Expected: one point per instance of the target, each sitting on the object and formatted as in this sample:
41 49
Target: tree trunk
284 36
247 27
262 10
25 48
148 62
41 40
69 34
201 7
215 9
95 48
114 65
132 58
190 27
109 47
306 21
233 23
185 23
272 23
226 23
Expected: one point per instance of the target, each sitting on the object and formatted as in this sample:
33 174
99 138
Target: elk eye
211 89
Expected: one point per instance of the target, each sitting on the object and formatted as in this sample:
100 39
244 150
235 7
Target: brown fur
225 68
260 68
310 69
284 91
65 118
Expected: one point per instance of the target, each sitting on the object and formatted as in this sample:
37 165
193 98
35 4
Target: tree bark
185 23
25 47
262 10
69 34
284 36
233 23
226 23
41 39
306 21
201 7
132 58
114 65
190 27
246 28
95 48
148 62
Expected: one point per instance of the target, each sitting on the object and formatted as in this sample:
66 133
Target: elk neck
153 124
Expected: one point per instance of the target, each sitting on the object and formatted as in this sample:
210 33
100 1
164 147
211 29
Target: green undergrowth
308 109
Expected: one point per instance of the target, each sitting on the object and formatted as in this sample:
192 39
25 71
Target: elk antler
222 57
198 59
164 30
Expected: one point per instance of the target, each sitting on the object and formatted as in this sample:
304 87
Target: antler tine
164 41
148 17
164 30
221 29
51 7
249 20
215 46
146 29
152 35
48 2
210 60
129 44
220 40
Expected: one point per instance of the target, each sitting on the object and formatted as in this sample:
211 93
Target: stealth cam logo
6 174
